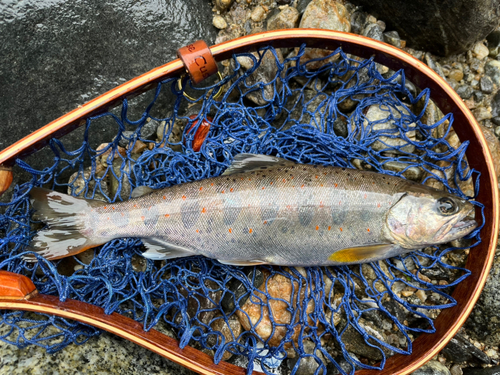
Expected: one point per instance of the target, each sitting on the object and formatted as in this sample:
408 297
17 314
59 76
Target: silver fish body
268 210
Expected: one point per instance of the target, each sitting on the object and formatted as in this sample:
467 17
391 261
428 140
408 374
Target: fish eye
447 206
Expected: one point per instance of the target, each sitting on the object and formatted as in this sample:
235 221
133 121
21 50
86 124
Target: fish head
428 217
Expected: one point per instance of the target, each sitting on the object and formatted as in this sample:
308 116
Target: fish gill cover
345 113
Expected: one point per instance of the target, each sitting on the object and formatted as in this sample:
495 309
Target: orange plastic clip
198 61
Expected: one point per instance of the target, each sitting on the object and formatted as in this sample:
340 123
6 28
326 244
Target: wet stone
465 91
223 4
288 18
460 350
432 368
494 43
126 137
482 371
480 50
492 70
358 22
309 364
258 13
323 14
230 333
261 77
434 65
219 22
148 129
392 38
78 184
239 292
354 342
456 370
374 31
486 84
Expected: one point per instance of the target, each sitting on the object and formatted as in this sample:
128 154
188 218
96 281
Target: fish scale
262 210
271 215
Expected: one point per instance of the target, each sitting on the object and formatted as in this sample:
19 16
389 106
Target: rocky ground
475 75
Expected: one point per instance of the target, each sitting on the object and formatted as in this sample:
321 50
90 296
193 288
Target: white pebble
258 14
422 296
219 22
480 50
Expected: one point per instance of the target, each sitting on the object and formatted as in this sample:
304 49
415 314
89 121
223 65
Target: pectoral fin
364 254
158 249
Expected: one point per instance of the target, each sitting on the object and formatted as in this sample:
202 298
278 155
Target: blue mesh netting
346 113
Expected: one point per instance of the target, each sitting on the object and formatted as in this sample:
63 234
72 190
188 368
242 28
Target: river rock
460 350
260 77
432 368
77 185
308 364
494 43
392 37
494 146
492 69
323 14
484 322
443 27
486 85
288 18
495 370
230 332
465 91
258 309
376 113
374 31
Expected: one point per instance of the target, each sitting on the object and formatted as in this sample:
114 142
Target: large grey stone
56 55
444 27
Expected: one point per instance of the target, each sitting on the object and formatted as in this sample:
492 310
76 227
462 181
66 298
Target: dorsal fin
243 163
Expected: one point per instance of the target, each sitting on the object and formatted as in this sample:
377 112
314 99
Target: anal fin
243 262
158 249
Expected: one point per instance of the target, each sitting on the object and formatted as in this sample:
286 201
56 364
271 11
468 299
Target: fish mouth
456 228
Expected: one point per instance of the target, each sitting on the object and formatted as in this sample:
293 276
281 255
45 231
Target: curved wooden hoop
466 127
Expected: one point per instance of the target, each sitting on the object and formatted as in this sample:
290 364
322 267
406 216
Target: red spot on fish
201 188
341 229
164 197
340 202
317 176
167 215
250 230
292 177
105 207
183 197
289 207
265 222
329 228
249 179
325 173
222 191
109 218
113 207
230 230
302 187
368 229
142 218
197 231
135 206
284 180
378 205
271 183
263 187
364 196
231 190
123 214
335 185
204 210
317 227
212 184
321 204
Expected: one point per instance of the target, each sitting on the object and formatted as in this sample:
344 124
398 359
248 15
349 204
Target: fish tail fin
68 232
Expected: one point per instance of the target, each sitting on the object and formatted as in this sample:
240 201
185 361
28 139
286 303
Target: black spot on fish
232 208
190 212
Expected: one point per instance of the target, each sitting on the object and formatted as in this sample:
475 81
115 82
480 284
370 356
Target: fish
262 210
